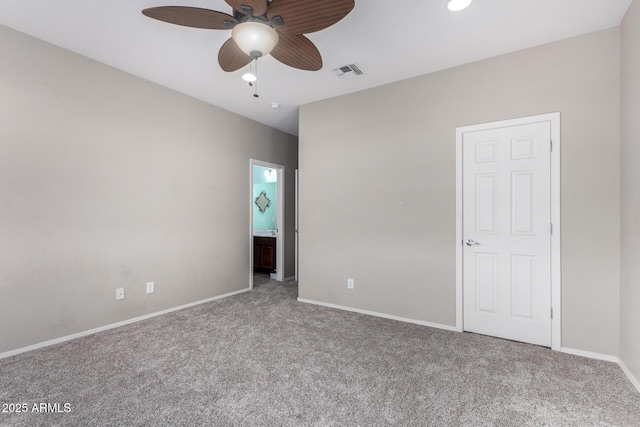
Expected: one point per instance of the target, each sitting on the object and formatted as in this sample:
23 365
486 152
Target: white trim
459 238
556 245
556 286
383 315
115 325
589 354
280 223
629 375
296 227
279 218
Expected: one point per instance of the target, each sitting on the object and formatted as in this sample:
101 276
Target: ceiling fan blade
231 58
307 16
192 17
258 7
297 51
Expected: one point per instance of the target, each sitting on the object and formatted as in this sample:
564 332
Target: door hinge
550 145
551 227
551 309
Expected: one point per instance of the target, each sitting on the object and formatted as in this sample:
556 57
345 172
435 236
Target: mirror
263 202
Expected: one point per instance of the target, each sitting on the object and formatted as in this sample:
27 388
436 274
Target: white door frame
554 118
279 218
296 229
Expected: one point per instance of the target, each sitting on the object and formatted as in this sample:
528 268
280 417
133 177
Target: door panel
486 209
522 208
487 283
522 285
267 257
506 221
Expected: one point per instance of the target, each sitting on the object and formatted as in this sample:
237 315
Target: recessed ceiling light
456 5
275 105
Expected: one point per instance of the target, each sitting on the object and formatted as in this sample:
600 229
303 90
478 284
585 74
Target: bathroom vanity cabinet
264 254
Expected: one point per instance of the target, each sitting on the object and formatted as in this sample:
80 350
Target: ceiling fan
260 27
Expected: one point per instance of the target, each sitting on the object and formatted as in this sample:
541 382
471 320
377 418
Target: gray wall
377 184
110 181
630 191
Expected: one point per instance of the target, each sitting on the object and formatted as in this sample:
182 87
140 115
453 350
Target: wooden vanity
264 254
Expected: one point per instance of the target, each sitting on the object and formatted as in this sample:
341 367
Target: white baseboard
383 315
629 375
589 354
114 325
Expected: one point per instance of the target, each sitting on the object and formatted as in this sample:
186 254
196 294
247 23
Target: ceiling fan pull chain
255 95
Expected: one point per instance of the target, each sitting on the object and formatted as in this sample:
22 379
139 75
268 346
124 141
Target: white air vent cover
348 71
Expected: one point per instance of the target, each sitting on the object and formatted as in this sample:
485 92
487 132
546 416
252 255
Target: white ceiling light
255 39
249 77
456 5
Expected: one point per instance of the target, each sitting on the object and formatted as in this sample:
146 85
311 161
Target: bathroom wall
265 220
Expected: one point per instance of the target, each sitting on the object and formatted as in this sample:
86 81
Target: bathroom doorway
266 248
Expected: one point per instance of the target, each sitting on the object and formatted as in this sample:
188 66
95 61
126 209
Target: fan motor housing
248 17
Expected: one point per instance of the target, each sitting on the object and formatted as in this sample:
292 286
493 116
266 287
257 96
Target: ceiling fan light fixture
249 77
458 5
255 39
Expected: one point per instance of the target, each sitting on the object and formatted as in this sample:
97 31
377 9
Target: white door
507 232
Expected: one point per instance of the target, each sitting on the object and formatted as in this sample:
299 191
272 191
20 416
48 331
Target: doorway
508 228
267 234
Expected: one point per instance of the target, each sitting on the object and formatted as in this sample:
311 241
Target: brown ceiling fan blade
297 51
192 17
258 7
231 58
307 16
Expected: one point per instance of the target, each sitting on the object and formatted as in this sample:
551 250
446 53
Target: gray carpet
263 359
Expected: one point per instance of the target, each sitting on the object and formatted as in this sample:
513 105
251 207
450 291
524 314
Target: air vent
348 71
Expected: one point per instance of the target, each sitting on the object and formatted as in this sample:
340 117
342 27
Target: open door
267 234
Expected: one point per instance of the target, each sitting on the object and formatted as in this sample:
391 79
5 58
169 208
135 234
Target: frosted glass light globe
249 77
255 39
457 5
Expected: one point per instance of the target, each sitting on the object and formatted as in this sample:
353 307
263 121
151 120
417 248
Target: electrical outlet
349 283
150 287
120 293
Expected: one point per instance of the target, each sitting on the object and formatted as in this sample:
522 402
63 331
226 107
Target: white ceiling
389 40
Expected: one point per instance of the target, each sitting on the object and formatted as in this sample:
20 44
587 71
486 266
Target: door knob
470 242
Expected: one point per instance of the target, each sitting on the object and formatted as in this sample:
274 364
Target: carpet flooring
263 359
